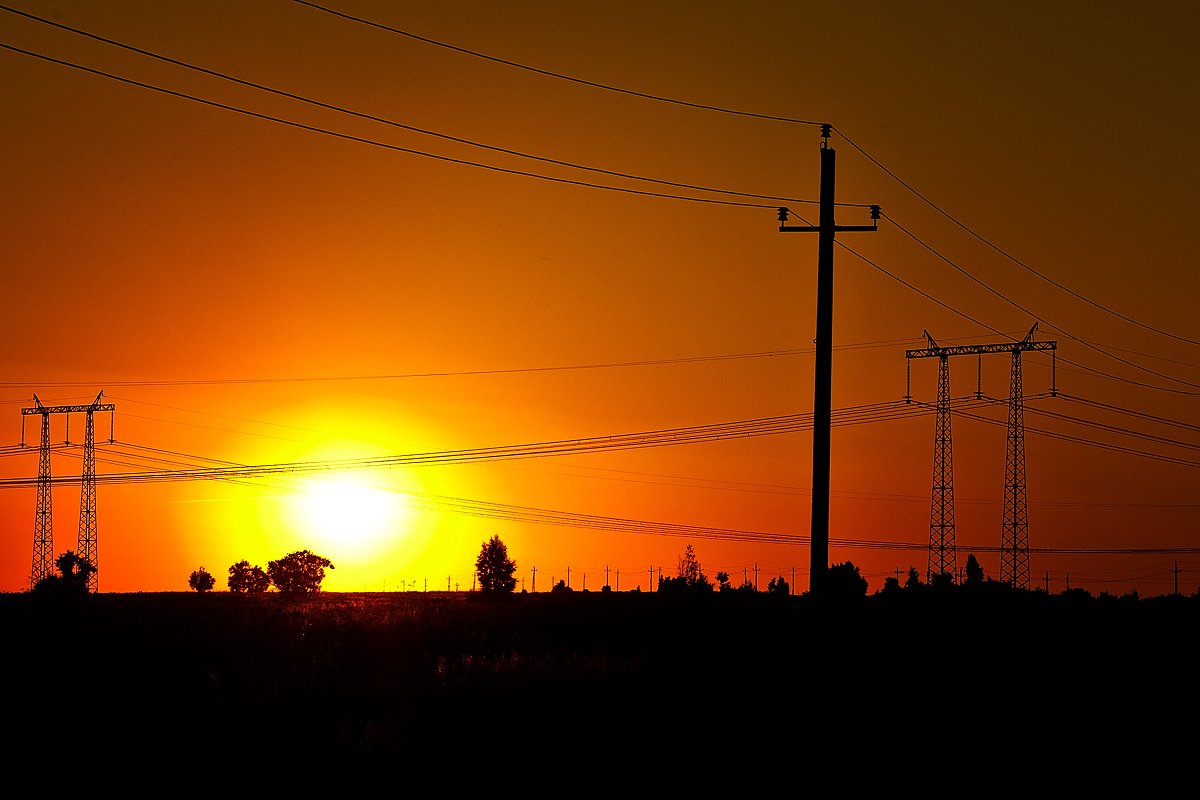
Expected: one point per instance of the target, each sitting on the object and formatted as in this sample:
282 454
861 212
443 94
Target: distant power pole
43 535
823 388
1176 571
1014 548
534 580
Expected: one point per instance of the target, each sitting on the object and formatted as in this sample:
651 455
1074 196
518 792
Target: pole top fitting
783 215
875 213
826 129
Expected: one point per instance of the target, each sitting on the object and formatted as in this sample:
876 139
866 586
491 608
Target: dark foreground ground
603 685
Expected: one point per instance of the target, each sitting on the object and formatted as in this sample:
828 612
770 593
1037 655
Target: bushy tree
201 580
72 578
913 582
246 579
298 573
495 570
845 583
690 578
974 571
778 586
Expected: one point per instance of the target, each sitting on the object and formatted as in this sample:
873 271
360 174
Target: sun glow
349 518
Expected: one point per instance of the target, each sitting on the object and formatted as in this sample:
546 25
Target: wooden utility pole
823 384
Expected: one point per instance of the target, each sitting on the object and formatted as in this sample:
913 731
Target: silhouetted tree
561 586
914 580
691 577
298 573
247 579
844 582
942 581
201 580
891 584
72 577
495 570
974 571
723 583
778 586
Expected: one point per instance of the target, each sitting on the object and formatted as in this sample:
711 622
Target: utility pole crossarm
69 409
977 349
783 215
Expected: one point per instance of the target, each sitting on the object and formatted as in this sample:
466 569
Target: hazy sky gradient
254 279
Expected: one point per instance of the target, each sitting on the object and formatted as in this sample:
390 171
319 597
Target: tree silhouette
974 571
247 579
72 579
914 580
691 577
298 573
845 583
495 570
778 586
201 580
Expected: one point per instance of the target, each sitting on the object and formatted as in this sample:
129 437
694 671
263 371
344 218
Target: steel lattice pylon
1014 550
44 563
942 553
43 520
87 504
1014 542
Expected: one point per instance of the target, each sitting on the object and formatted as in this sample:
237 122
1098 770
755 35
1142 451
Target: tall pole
823 379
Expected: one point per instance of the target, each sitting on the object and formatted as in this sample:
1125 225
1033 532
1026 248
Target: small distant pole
1047 581
534 589
568 577
618 586
1176 571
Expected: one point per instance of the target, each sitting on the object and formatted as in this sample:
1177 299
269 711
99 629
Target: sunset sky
436 272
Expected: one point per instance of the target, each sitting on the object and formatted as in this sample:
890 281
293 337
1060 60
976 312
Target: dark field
436 683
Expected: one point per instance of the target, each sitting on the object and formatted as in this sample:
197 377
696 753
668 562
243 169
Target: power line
662 99
455 373
373 118
395 148
558 75
1007 255
1019 307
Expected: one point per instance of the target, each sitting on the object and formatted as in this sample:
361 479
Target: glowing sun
347 516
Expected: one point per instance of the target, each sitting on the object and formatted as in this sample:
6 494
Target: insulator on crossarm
783 215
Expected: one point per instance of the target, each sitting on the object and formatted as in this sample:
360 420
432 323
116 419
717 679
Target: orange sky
258 280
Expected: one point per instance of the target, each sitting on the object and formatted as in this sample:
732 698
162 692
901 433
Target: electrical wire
548 73
382 120
719 109
375 143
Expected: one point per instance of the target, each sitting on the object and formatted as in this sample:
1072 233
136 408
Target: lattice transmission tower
43 529
1014 547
